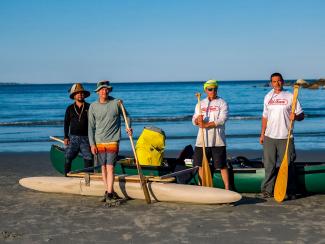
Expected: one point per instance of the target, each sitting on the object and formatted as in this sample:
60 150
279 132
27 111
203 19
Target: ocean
30 113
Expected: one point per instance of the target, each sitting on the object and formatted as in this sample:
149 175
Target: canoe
246 175
123 166
163 192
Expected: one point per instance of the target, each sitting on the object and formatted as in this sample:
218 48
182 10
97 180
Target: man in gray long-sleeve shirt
104 132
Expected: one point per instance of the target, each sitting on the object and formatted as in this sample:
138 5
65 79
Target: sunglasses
211 89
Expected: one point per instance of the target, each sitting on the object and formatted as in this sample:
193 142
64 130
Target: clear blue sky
48 41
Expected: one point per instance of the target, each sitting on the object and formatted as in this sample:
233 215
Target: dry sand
34 217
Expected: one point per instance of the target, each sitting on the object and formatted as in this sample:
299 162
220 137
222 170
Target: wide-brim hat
77 87
103 84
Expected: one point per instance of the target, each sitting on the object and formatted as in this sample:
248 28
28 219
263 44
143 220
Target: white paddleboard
164 192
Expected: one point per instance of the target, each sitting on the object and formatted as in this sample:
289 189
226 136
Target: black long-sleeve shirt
76 120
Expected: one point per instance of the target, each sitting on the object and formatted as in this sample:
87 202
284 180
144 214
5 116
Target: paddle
280 188
206 173
181 172
91 169
143 181
56 139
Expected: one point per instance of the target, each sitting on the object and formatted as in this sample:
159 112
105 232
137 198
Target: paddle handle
294 105
198 95
293 109
206 172
56 139
142 179
128 127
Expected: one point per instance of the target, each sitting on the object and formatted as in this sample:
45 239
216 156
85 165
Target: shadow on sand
250 200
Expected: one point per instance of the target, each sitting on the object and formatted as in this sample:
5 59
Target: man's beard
81 100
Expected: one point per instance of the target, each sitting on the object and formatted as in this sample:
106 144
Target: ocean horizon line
144 82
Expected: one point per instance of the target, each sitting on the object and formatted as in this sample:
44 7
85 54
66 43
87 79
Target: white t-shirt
277 109
213 111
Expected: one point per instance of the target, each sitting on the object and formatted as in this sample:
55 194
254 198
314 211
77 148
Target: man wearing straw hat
76 128
212 120
104 135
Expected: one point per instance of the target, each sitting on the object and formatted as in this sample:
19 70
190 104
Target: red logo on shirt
278 101
211 109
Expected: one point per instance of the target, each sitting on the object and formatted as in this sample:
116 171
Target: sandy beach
34 217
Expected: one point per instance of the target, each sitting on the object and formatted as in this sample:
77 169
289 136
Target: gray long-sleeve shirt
104 122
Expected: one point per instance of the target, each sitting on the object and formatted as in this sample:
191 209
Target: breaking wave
139 119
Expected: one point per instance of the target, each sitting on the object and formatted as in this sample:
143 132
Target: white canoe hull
164 192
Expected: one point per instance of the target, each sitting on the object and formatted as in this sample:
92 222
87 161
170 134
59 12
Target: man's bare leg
109 178
200 175
225 177
104 176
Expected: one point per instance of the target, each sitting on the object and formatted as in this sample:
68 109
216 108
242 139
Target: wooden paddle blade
206 173
145 190
280 188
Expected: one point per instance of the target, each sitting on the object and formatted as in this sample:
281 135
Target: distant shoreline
144 82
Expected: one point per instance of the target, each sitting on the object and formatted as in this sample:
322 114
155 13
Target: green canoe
246 176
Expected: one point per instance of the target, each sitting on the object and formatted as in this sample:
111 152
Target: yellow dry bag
150 146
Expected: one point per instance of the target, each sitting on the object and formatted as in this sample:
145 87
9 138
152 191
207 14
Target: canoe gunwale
310 175
235 169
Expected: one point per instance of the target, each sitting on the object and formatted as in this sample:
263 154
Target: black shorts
218 155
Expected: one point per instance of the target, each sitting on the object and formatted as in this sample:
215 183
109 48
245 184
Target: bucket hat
102 84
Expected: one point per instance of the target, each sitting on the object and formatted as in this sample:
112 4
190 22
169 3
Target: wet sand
34 217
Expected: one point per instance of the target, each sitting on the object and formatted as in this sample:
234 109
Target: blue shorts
78 144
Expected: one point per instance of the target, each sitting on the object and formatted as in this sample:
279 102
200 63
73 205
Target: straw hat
77 87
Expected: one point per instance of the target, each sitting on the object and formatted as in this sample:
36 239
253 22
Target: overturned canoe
246 176
164 192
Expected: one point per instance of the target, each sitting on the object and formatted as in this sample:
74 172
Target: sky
58 41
